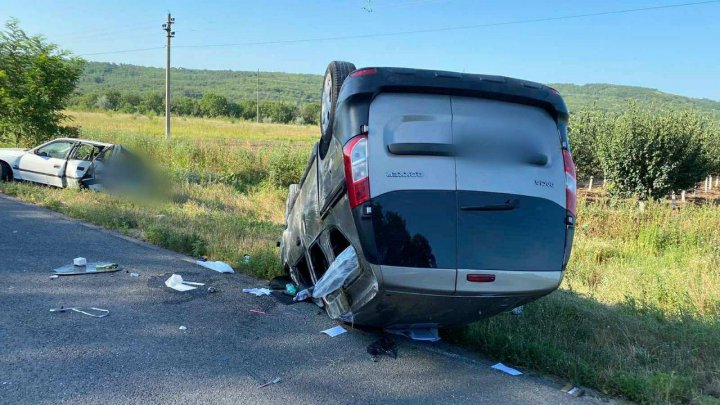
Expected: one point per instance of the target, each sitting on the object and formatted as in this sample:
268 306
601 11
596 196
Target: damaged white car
63 162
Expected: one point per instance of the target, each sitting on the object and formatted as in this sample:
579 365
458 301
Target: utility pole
257 98
167 27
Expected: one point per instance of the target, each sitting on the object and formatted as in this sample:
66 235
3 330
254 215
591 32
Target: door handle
427 149
507 206
81 168
56 166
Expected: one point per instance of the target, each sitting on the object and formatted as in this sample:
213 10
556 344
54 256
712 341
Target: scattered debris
506 369
182 327
88 268
332 332
518 310
54 276
256 311
274 381
257 291
98 312
246 259
79 261
220 267
573 391
160 216
134 275
344 265
290 289
279 282
212 290
14 231
421 334
177 283
303 295
384 345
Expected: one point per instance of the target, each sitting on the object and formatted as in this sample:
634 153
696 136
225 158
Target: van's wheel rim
326 101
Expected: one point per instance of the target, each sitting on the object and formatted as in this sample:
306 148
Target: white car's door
80 162
46 163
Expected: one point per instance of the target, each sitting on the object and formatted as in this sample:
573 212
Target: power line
457 28
422 31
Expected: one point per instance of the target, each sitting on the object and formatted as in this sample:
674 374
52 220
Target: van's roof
373 80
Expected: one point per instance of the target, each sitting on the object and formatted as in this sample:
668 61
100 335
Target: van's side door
331 176
46 163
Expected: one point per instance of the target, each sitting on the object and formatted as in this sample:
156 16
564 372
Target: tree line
208 105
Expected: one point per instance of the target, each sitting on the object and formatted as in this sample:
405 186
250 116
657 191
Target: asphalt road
138 354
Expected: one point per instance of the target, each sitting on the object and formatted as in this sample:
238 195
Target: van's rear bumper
405 309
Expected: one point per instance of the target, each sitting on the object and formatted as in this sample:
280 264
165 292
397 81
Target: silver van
456 191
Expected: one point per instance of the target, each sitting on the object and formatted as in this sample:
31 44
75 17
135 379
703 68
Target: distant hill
238 85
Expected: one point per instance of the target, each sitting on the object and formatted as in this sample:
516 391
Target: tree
648 155
587 128
36 82
213 105
310 113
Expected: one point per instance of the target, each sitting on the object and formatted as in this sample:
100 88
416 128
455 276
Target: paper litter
218 266
332 332
506 369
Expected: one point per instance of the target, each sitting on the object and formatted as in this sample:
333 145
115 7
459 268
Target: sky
675 50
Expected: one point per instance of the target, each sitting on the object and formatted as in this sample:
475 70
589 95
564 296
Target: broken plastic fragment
177 283
257 291
134 275
302 295
79 261
421 334
89 311
183 328
218 266
506 369
332 332
344 265
274 381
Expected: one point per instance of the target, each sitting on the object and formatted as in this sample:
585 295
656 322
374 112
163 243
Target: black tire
5 172
334 77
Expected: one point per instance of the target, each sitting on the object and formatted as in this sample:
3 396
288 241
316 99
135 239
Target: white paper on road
218 266
177 283
332 332
257 291
506 369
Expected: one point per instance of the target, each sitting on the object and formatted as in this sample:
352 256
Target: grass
637 315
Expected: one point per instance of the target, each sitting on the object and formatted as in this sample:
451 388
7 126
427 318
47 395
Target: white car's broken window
58 150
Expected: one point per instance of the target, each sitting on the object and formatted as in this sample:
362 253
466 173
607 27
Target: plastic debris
220 267
177 283
274 381
256 311
302 295
573 391
79 261
384 345
88 268
246 259
420 334
134 275
257 291
183 328
344 265
54 276
332 332
212 290
89 311
290 289
518 310
279 282
506 369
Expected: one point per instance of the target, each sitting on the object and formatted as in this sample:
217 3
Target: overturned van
456 192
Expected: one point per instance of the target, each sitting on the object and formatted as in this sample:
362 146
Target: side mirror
43 154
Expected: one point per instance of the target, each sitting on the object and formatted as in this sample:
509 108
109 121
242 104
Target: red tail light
364 72
570 182
356 170
480 278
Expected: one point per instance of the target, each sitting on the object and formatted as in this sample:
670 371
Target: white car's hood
11 155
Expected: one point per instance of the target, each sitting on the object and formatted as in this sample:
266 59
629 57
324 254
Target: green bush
587 128
285 166
648 155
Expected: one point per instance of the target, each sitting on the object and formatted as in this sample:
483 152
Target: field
637 314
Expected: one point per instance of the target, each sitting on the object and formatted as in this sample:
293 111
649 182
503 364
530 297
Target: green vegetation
645 155
638 314
36 80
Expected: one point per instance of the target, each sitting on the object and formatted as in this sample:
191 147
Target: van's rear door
412 185
511 189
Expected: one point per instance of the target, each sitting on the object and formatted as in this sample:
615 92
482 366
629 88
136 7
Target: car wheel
334 77
5 172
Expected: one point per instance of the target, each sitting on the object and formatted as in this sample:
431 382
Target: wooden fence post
682 196
590 184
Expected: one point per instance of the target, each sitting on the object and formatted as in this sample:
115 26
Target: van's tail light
356 170
570 182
